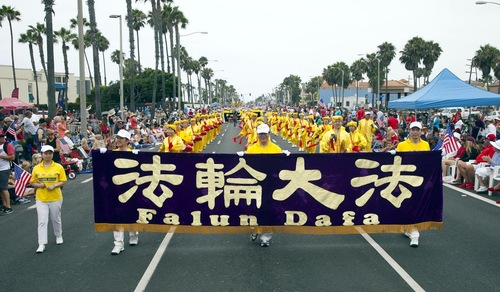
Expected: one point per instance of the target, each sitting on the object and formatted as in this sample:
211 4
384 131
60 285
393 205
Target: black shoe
6 211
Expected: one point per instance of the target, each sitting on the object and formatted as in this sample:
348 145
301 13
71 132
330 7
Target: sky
255 44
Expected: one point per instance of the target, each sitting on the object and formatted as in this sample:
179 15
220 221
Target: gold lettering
224 220
145 215
371 219
290 216
196 218
171 219
248 220
323 220
348 217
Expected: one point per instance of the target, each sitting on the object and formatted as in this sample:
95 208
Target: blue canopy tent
446 90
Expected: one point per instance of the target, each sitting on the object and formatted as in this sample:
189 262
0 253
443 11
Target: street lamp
486 2
178 63
121 63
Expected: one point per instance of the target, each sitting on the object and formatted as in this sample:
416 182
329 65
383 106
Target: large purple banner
308 194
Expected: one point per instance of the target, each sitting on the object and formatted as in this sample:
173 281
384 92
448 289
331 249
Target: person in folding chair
483 173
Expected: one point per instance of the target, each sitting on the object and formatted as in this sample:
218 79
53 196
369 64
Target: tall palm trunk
132 54
35 75
162 56
51 86
157 55
95 56
12 54
138 54
90 71
166 52
174 84
104 66
66 74
199 87
42 56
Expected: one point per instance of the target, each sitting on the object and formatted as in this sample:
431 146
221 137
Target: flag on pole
12 131
380 123
22 178
321 103
450 144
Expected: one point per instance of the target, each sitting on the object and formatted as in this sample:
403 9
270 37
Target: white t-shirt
29 126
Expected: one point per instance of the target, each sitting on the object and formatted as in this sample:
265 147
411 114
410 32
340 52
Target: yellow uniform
48 176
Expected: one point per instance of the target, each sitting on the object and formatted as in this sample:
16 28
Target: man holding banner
414 143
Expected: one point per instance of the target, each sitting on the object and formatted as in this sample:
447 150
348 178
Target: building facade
27 85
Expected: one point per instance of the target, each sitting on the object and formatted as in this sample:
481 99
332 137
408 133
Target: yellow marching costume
358 141
366 127
335 140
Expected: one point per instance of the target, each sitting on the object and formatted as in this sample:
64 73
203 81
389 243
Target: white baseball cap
124 134
263 129
46 148
416 125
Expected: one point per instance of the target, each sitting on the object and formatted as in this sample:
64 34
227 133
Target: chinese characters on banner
308 194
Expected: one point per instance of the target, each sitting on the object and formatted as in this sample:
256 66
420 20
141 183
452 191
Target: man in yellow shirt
414 143
264 146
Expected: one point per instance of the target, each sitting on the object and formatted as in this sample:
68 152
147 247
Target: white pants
43 209
119 236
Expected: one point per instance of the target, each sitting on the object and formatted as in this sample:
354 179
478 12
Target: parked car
450 111
493 114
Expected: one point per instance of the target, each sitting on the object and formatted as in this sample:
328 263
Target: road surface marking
475 196
406 277
143 283
87 180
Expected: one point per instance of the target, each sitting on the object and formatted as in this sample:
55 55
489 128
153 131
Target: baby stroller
70 167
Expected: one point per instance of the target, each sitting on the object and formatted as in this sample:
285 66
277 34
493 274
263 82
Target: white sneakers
482 189
59 240
413 238
134 240
117 249
41 248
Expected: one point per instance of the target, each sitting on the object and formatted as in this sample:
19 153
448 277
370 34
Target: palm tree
132 54
484 60
12 15
372 71
39 31
358 68
95 56
386 52
51 86
30 38
411 56
65 36
103 45
432 51
207 74
328 76
138 22
155 21
179 20
86 44
496 70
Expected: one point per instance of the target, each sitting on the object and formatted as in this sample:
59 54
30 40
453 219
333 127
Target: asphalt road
463 256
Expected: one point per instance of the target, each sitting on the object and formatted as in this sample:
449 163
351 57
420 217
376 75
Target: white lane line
143 283
218 142
406 277
32 207
87 180
478 197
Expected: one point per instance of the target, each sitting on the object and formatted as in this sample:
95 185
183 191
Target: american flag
22 179
12 131
321 103
380 123
450 144
65 147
